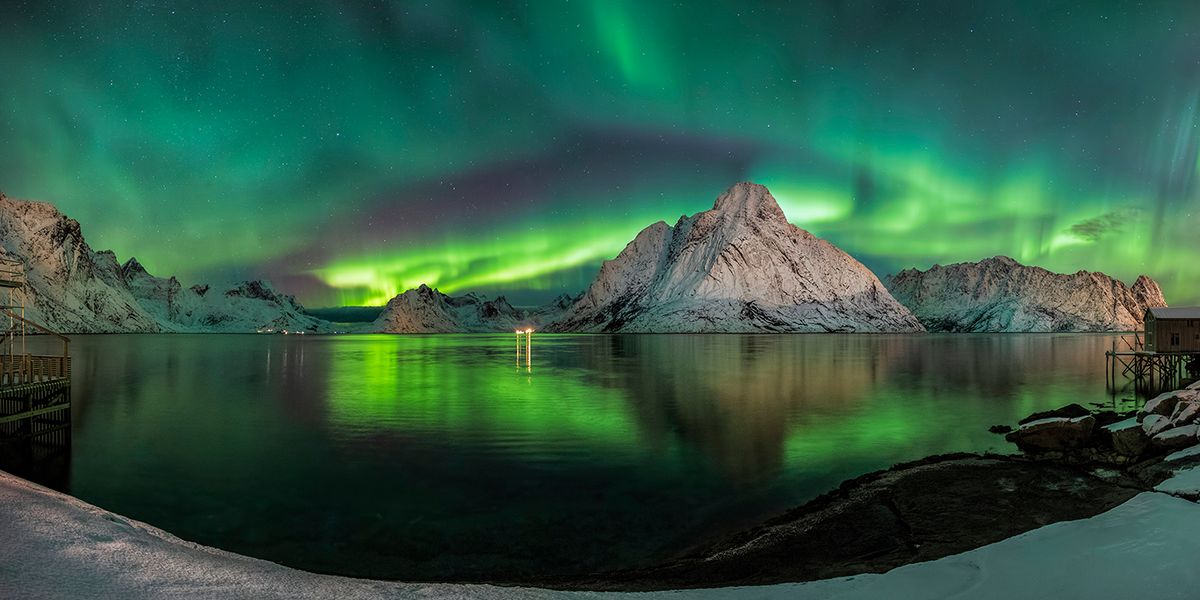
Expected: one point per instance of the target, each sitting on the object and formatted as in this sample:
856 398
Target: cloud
1095 228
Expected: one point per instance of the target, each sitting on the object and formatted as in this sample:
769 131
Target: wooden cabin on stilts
1162 356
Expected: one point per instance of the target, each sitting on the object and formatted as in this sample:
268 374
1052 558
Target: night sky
351 150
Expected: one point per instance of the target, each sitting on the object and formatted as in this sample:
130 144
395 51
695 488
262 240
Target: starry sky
350 150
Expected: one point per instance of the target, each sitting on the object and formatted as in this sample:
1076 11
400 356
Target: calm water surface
442 457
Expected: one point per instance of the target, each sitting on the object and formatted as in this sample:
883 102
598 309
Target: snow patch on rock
1185 482
1177 437
1182 454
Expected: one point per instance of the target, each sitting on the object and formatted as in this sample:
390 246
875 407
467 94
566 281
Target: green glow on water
443 457
435 383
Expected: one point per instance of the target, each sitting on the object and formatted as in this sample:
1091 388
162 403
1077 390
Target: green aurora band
352 151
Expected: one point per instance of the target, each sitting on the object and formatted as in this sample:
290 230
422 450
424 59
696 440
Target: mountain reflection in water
439 457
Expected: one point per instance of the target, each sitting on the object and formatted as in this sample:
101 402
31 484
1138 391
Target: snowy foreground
55 546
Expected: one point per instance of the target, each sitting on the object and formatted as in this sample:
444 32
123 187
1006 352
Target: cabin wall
1173 335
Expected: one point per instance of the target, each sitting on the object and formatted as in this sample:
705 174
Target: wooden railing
16 368
12 272
30 368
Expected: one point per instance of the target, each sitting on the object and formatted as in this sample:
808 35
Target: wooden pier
1130 363
35 389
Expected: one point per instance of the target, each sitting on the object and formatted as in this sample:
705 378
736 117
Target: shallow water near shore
448 458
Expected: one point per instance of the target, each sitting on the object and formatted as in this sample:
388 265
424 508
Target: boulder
1176 437
1152 425
1127 436
1185 413
1054 433
1194 386
1069 411
1164 404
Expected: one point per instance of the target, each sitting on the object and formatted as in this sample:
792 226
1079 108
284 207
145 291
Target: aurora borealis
348 151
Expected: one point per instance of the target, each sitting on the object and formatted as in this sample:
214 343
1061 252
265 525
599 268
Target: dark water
442 457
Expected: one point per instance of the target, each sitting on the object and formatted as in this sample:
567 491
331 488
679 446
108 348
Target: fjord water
446 457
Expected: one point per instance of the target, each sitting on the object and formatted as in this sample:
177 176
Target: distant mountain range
73 289
739 267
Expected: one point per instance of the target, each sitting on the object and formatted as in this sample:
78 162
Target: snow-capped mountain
248 306
739 267
69 287
551 311
426 310
74 289
1000 294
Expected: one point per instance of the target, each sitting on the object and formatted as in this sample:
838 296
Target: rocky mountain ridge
249 306
739 267
427 310
1000 294
71 288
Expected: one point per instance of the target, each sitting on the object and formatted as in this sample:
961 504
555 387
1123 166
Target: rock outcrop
1001 295
74 289
1127 437
739 267
1053 433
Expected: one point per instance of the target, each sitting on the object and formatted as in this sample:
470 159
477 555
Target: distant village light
528 333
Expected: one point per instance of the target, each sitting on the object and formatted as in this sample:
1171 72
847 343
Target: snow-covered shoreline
56 546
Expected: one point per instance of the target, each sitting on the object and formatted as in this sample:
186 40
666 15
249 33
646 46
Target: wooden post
1150 389
1110 375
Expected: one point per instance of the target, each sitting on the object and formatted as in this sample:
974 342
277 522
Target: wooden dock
35 389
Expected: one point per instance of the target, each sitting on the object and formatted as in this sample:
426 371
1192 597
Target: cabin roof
1187 312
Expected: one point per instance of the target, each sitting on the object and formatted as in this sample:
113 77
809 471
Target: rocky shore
910 513
1137 441
1075 463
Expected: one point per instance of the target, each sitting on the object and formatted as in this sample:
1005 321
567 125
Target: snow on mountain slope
426 310
739 267
72 289
1001 295
247 307
69 287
